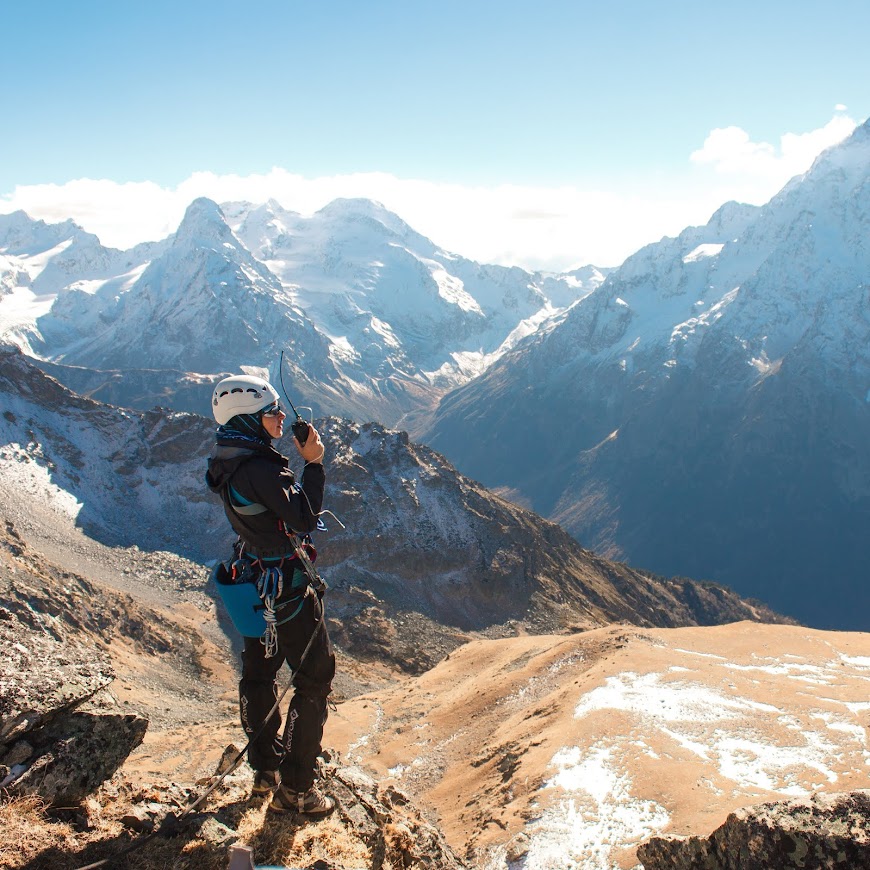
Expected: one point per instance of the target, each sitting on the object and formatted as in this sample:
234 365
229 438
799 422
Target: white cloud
536 227
729 150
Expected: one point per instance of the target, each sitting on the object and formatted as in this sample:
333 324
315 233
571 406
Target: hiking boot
309 803
265 782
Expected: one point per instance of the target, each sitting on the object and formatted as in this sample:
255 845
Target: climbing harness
251 587
251 590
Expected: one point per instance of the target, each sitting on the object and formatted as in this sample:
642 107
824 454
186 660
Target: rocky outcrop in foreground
824 832
61 732
374 827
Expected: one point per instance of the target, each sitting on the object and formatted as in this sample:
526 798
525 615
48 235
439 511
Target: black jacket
260 475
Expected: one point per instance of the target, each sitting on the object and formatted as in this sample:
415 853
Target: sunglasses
274 410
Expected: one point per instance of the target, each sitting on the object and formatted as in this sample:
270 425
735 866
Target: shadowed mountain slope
706 411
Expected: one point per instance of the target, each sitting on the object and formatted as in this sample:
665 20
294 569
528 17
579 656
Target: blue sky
538 108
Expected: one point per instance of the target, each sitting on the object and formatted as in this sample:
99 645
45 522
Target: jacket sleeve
298 506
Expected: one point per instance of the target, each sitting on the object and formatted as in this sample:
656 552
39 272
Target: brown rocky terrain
86 662
571 750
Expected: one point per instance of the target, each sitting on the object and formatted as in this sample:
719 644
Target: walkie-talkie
299 427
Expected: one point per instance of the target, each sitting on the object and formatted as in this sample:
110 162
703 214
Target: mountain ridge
421 540
708 400
377 321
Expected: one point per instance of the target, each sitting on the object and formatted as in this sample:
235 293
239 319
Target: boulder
42 675
61 733
823 832
78 752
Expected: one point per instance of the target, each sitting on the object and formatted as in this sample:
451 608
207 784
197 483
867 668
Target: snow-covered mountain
707 409
39 260
204 304
62 255
376 320
390 296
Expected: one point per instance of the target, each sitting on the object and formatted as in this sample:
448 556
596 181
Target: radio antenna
299 427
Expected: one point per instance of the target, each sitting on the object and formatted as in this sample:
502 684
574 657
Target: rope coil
270 585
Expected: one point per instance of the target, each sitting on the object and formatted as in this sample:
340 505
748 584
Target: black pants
295 753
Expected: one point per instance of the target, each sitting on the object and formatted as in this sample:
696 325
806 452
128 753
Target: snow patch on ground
692 652
670 702
21 474
702 252
730 730
598 815
862 662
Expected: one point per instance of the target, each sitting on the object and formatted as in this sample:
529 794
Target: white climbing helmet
241 394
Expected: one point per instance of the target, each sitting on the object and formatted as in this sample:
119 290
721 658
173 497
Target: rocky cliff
824 832
61 732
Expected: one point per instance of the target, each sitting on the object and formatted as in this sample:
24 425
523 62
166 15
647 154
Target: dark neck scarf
245 429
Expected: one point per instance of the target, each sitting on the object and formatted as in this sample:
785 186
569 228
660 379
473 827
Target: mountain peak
22 234
19 217
850 156
203 223
732 218
359 207
355 205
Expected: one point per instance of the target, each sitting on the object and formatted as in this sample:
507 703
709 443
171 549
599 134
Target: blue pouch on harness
242 602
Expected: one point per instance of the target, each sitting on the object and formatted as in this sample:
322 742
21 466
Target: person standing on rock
266 507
